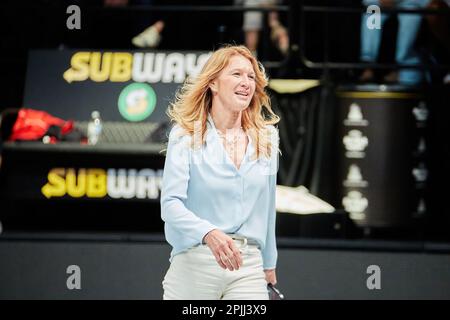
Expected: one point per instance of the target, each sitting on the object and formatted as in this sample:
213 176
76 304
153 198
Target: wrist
205 237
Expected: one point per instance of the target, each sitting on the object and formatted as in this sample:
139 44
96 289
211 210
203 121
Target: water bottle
94 128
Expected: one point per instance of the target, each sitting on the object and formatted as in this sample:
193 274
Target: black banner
121 85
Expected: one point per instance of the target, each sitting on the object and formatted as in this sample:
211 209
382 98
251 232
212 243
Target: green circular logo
137 101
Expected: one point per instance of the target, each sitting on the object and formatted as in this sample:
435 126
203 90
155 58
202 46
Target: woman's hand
271 276
225 251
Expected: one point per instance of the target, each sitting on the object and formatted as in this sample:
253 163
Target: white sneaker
149 38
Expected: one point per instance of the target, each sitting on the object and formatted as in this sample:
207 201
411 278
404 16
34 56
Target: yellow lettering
56 186
100 66
96 183
79 70
121 67
75 189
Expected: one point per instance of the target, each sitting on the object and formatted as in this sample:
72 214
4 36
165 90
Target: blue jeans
408 26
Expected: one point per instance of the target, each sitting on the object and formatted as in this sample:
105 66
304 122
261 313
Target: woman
218 191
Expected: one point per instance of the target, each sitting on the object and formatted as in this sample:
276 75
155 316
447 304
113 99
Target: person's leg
253 21
408 27
370 41
247 283
194 275
279 34
370 38
252 40
439 24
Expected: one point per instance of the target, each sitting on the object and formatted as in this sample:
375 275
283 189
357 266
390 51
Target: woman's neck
226 120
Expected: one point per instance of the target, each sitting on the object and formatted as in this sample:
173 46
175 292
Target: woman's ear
213 87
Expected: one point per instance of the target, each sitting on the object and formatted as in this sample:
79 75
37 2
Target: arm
270 253
174 189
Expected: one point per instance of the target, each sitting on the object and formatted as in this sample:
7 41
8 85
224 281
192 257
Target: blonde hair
193 101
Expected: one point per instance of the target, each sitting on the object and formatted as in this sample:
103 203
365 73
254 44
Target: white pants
196 275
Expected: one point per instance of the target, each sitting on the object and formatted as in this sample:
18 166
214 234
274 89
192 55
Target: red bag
34 124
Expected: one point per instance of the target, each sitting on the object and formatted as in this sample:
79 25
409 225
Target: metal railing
298 37
296 11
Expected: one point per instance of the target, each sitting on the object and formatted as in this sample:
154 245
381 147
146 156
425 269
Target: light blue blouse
202 189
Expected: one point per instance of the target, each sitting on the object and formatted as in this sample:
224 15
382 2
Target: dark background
40 24
119 264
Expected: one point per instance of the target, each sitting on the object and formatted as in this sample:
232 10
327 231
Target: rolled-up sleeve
175 189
